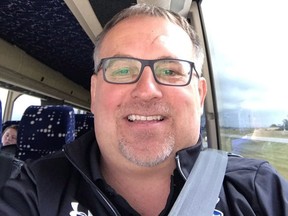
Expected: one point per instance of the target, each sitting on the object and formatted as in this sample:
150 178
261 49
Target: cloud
249 59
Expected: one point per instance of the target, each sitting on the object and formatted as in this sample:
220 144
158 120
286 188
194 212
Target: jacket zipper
112 208
179 167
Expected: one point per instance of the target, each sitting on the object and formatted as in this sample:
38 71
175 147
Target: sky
249 43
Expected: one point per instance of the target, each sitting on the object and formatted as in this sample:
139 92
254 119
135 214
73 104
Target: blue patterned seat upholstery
44 130
83 123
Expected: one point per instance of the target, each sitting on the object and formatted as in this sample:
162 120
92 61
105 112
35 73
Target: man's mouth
133 118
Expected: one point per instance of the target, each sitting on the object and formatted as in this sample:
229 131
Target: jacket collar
186 158
84 154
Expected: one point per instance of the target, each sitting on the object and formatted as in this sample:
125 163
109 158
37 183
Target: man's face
9 137
167 117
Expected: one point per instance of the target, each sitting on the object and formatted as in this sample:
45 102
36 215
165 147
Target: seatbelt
200 193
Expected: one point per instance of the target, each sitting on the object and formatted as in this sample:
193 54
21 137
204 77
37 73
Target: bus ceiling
46 47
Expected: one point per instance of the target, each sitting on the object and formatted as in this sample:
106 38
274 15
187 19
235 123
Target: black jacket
68 184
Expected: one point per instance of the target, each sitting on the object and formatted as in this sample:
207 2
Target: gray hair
152 11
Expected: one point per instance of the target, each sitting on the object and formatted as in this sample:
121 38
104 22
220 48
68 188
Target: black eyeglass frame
150 63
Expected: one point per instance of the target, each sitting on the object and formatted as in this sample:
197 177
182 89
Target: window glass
21 103
79 111
248 49
3 98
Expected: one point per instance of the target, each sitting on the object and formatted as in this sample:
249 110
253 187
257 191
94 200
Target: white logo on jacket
75 211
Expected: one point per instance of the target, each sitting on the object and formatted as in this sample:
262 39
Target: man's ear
202 86
93 83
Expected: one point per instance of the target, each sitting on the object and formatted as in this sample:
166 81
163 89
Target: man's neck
145 189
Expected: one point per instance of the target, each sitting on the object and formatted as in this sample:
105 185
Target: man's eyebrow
122 55
160 57
167 57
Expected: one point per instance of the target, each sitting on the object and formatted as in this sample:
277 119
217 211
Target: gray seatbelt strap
200 193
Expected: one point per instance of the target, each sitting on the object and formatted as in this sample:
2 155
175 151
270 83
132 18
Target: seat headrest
83 123
44 130
9 123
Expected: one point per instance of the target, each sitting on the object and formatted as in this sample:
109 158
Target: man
9 140
147 96
9 136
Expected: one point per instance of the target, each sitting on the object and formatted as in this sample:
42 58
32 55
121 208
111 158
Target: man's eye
167 72
121 71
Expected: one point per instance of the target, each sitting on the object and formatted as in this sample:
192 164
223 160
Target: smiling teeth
144 118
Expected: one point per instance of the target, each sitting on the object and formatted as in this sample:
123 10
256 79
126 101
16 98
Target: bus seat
44 130
9 123
83 123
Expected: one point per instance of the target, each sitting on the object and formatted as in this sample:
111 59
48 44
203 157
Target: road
258 138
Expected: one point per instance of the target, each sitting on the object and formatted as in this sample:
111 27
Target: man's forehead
147 25
151 31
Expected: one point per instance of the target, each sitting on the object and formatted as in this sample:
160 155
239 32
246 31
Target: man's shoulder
243 170
255 182
237 162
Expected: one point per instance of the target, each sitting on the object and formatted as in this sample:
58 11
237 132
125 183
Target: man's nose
147 88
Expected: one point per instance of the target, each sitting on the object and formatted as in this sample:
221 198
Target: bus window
3 98
21 103
79 111
248 46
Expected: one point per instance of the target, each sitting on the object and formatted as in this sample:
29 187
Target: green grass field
274 152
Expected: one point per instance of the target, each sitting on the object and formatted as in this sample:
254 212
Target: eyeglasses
126 70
